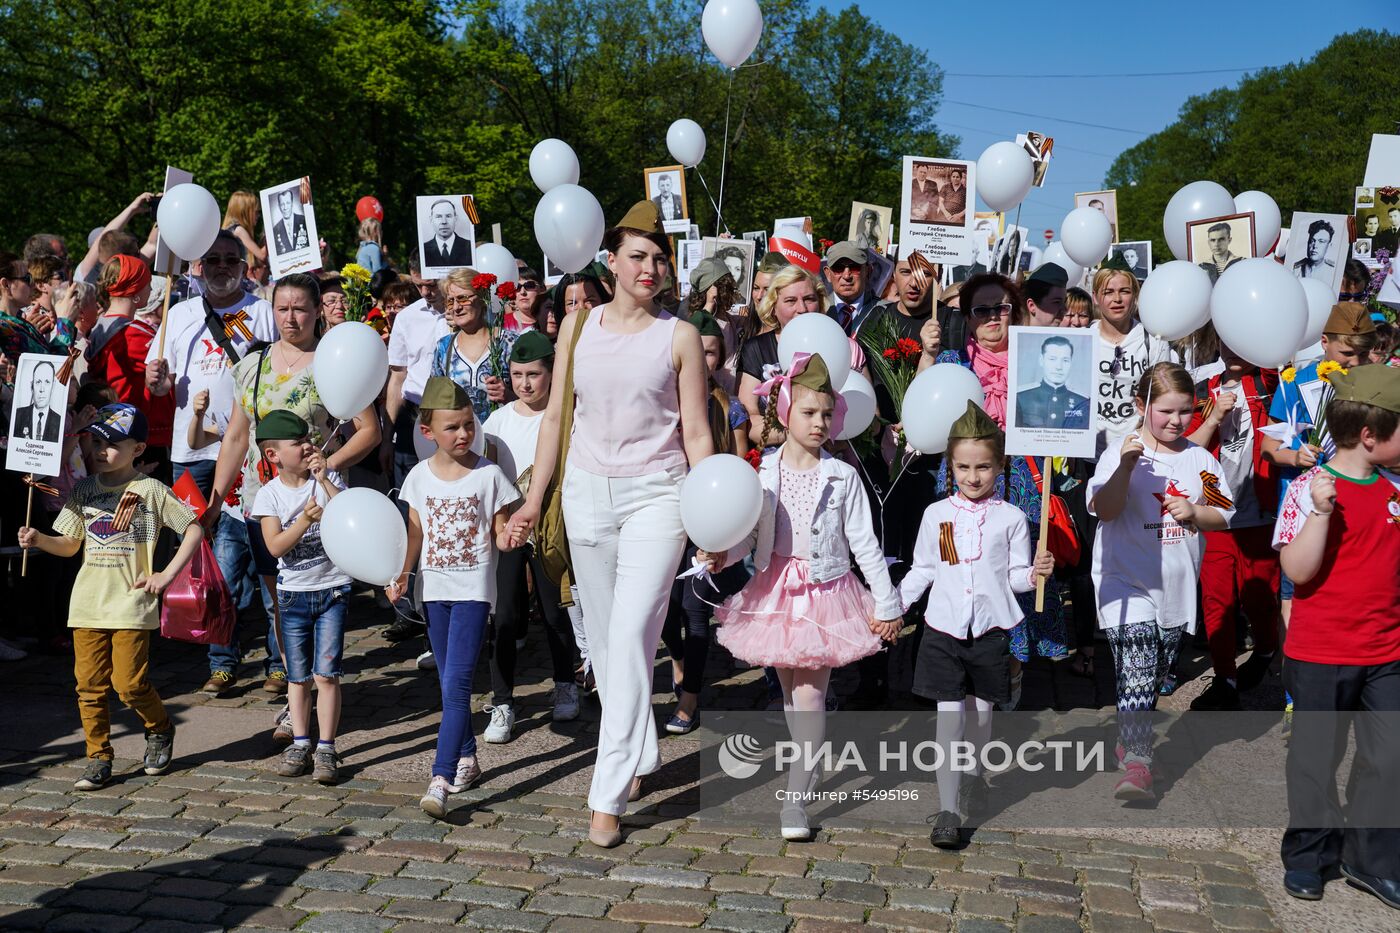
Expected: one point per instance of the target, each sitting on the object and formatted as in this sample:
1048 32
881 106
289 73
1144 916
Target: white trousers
626 540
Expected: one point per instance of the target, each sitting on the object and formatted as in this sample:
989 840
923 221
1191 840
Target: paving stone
236 832
420 832
35 855
1117 923
546 845
978 904
512 861
94 923
1033 887
679 896
527 880
744 922
1046 925
98 901
180 908
190 887
187 829
585 925
40 874
576 867
35 894
909 920
1177 921
869 894
1036 905
826 910
97 860
159 845
28 834
1172 895
666 855
839 871
897 877
332 922
666 914
14 917
339 901
491 918
1109 900
675 877
932 901
756 902
1221 895
263 916
740 884
332 881
410 849
568 905
417 909
780 866
423 888
1242 918
1221 874
754 846
262 895
796 888
485 895
371 865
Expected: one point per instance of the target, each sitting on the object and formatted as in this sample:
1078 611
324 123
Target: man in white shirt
197 360
417 329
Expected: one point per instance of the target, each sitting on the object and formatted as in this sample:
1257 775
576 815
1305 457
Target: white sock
301 741
951 723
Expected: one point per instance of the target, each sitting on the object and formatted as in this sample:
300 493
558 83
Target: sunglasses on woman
988 312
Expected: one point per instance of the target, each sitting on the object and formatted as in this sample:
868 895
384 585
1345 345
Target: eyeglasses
988 312
529 285
333 301
222 261
395 306
462 302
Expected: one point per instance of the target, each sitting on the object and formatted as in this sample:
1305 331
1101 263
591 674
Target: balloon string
712 199
724 152
802 617
330 437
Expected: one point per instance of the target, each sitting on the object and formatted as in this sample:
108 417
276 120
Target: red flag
187 491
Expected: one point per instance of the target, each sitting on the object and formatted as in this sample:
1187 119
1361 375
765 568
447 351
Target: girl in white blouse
974 550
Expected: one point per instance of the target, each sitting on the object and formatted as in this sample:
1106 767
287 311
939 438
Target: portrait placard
552 274
759 238
1051 380
1103 201
1377 223
290 225
446 234
986 232
870 226
1217 243
1038 146
1008 251
1317 248
166 262
939 198
37 414
736 254
1137 254
665 187
688 256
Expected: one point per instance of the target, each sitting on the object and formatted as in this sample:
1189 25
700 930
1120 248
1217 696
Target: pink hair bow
784 382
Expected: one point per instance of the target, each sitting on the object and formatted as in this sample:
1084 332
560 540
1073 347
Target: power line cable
1041 116
1058 145
1126 74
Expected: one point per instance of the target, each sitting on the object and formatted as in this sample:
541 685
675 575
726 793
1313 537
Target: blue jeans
235 560
455 631
313 631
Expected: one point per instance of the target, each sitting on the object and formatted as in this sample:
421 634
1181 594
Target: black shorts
951 668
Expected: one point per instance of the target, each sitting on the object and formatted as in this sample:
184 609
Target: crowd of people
1213 497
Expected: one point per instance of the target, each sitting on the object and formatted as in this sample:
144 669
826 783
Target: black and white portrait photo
939 208
1136 254
36 416
446 235
1380 225
870 226
290 225
759 239
1105 202
737 256
1052 378
1317 247
1008 251
1217 243
665 187
552 273
1039 147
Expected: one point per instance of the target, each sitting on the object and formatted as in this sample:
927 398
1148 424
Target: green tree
1300 132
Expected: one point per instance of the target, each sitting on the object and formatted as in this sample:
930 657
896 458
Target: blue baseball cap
119 422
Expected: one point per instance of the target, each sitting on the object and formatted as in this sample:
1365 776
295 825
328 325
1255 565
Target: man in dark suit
37 420
666 201
1132 258
289 233
1389 238
1050 404
446 248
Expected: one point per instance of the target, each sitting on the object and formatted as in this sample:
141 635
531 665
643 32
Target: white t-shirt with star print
458 559
1145 563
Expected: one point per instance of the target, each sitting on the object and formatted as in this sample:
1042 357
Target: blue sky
1075 37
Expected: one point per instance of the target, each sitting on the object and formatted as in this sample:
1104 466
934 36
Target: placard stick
169 286
29 507
1044 529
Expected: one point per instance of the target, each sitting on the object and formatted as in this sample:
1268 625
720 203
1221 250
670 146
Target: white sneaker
9 652
468 773
434 802
565 701
796 827
426 661
502 724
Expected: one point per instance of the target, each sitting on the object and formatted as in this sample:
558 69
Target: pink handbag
197 606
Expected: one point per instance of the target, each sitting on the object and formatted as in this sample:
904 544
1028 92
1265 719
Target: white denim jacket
841 528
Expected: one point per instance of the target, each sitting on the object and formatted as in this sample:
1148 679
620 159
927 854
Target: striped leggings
1143 653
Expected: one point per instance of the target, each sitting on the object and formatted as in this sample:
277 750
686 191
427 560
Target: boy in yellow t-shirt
117 516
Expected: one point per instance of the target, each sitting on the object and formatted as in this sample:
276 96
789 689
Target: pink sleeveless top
627 409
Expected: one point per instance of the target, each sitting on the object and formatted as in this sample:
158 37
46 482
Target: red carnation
826 244
754 457
482 282
909 348
890 353
505 291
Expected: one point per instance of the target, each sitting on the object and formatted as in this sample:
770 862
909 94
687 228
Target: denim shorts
313 631
1285 586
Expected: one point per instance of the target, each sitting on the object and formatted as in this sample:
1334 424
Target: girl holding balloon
805 612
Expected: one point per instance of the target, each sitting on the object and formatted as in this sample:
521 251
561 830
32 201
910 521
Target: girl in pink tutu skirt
805 612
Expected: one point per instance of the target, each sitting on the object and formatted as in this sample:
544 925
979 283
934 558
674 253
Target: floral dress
294 392
1040 634
448 361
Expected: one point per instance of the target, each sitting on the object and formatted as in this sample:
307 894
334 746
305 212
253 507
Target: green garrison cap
282 425
442 393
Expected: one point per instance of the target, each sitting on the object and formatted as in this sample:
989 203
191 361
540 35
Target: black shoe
98 774
947 831
1218 696
1304 885
1384 888
402 630
1251 673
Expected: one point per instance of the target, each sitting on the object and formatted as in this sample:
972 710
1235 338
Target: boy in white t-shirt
458 504
312 592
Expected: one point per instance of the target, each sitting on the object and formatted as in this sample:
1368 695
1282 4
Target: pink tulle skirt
782 619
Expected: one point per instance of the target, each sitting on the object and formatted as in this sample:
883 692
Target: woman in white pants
639 421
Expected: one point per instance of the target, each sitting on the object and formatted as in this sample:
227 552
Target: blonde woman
464 355
1123 352
792 291
371 251
242 218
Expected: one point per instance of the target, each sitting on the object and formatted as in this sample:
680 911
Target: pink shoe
1136 784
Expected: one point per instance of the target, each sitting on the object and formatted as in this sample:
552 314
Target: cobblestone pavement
221 842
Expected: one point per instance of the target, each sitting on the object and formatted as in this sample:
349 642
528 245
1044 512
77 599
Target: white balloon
425 447
1085 235
821 336
1320 298
936 398
1055 253
1005 174
1196 201
686 142
732 29
860 406
189 220
569 227
1175 300
553 163
495 259
1037 257
1260 311
720 502
1267 220
364 534
349 368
